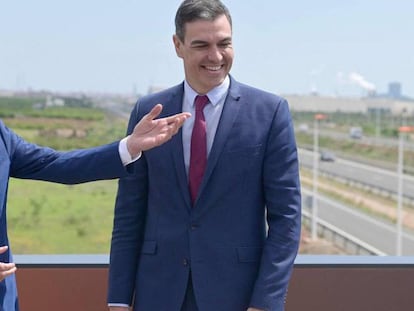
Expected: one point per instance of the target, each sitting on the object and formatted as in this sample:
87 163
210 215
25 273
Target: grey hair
192 10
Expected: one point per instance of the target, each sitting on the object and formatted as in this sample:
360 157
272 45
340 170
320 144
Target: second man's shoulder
260 95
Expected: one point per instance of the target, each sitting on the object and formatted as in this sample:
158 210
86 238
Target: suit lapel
175 106
178 160
228 116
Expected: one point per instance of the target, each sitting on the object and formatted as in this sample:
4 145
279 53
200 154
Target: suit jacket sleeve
30 161
283 202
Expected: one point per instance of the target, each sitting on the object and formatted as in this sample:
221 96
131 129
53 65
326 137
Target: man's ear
177 44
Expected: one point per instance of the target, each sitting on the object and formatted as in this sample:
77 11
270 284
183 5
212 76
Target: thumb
155 112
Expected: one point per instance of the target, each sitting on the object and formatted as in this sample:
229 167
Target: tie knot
201 101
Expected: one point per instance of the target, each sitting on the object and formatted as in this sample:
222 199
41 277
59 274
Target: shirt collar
215 95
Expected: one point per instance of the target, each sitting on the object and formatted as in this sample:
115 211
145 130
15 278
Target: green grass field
47 218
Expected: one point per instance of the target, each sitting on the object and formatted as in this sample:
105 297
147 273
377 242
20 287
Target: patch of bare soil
320 246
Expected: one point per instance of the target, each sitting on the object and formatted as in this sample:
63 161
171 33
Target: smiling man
190 225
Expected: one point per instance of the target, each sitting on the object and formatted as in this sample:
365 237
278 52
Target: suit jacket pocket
149 247
249 254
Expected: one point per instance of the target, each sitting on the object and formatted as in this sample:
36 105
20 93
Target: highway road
378 233
365 174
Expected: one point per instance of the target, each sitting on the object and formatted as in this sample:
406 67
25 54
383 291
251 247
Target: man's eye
225 45
200 46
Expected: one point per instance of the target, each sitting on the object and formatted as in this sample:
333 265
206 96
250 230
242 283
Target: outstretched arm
31 161
151 132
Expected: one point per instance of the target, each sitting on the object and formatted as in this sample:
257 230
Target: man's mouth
213 68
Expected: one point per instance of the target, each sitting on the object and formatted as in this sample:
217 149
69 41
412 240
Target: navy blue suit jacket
21 159
251 175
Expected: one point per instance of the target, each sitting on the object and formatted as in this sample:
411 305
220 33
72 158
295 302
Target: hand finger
174 128
176 124
6 266
155 112
6 270
3 249
183 115
179 122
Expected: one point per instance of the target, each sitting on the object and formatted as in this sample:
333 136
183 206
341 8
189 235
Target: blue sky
281 46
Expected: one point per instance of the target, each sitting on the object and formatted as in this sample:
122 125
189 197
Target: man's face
207 53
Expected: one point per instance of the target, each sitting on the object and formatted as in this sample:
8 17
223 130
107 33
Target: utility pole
317 119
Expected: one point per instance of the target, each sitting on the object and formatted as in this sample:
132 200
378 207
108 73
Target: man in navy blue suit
21 159
228 244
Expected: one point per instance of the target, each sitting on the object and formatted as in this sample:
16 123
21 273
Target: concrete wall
316 285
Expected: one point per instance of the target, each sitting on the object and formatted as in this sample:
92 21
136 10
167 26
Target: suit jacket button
185 262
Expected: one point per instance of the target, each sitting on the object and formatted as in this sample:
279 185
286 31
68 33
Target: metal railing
347 242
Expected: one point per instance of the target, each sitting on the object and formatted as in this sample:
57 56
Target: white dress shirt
124 153
212 114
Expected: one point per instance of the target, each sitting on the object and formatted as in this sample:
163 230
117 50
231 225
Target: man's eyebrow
198 42
201 42
226 39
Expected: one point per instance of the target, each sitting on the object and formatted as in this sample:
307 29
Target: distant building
394 90
394 93
317 104
6 93
54 102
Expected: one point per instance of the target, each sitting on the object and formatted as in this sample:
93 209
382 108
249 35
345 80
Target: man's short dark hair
192 10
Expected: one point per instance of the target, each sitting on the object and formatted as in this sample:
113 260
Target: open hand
151 132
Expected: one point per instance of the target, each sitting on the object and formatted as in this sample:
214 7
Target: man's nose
215 54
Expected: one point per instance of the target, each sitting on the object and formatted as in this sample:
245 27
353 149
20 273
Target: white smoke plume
358 79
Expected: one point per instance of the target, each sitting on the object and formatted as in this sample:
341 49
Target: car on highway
303 128
355 132
327 156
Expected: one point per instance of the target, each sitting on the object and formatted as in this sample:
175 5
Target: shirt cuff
118 305
124 153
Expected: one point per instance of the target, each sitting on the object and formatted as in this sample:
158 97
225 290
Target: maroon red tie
198 152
